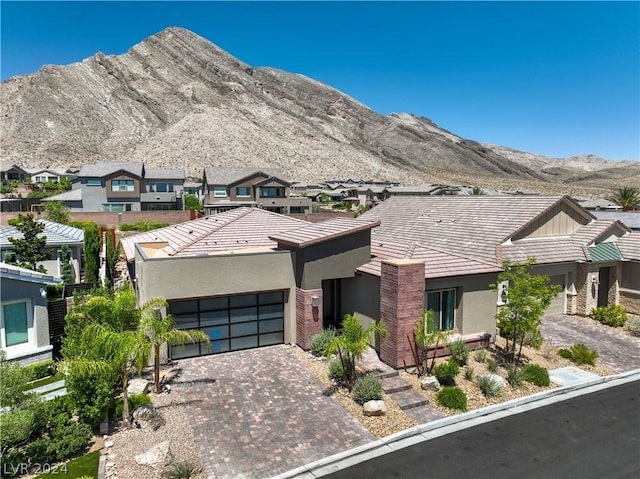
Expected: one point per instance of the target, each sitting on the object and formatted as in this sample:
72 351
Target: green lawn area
83 466
44 381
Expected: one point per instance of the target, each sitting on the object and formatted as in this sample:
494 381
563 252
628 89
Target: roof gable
56 233
229 176
106 168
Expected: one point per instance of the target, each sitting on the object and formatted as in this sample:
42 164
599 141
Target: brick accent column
308 317
401 305
587 288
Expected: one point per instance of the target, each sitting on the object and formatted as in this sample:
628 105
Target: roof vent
190 231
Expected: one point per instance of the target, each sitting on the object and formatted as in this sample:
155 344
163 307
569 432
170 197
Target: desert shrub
40 370
533 339
564 353
492 365
446 373
452 398
68 437
480 355
367 388
12 462
548 351
459 352
514 376
91 397
633 325
488 385
182 470
135 400
581 354
142 226
336 373
612 315
320 341
39 452
468 373
16 427
534 374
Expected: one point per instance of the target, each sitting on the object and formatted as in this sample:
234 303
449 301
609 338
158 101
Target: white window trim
248 188
217 193
22 349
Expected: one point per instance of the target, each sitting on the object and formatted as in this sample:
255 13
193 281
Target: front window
94 182
272 192
243 191
219 192
15 323
443 305
122 185
116 207
161 187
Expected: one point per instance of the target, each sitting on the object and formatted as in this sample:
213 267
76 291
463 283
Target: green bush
367 388
581 354
612 315
182 470
459 352
633 325
446 373
39 452
68 437
336 373
564 353
452 398
514 376
142 226
12 461
534 374
492 365
320 341
488 385
533 339
480 355
16 427
468 373
91 397
135 400
40 370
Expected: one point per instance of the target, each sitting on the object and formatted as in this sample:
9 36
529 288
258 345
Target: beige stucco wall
213 275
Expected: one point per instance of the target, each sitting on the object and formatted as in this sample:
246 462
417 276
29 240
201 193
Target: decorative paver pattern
616 350
264 413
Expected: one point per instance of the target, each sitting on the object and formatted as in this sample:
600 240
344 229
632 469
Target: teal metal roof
605 252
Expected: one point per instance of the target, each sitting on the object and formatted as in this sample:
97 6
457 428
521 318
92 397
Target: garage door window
231 322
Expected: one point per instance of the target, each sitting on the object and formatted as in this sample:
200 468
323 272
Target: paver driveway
615 349
264 414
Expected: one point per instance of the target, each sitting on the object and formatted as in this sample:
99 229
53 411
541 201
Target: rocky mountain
177 100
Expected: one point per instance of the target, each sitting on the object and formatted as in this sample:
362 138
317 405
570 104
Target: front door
603 288
331 304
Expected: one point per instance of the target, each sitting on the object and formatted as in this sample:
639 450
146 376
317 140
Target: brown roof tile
319 232
629 246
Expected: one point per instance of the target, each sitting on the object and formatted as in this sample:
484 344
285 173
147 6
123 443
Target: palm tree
162 329
477 191
626 197
352 344
427 335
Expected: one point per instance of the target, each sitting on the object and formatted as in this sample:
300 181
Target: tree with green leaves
66 270
113 255
427 337
91 253
57 212
527 298
162 330
192 201
627 197
30 249
352 344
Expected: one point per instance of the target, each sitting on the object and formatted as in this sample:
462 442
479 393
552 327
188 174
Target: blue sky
552 78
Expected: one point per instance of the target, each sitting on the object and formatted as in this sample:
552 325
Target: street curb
440 427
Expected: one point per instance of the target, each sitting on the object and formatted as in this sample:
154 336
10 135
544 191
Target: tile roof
71 195
56 234
544 250
10 271
104 168
629 218
629 246
424 189
227 176
165 174
314 233
237 229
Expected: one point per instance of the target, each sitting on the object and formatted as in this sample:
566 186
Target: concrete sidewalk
448 425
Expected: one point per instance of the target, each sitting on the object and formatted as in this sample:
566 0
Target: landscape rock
138 386
374 408
144 412
430 383
108 443
158 456
497 378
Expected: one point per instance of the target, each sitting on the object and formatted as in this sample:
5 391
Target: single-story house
24 320
57 235
249 277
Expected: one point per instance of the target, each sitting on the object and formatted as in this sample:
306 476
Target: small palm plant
627 197
352 344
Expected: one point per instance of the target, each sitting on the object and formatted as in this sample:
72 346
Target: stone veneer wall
402 289
630 300
613 295
308 318
587 290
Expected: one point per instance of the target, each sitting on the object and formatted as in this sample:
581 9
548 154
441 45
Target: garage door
557 304
231 322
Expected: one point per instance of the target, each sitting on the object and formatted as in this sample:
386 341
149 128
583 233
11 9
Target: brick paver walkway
615 349
264 414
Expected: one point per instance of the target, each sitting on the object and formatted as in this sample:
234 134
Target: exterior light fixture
315 301
43 293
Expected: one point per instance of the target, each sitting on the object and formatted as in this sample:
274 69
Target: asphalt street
592 436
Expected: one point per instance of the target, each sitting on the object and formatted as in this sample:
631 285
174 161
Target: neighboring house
11 173
24 320
597 204
193 188
228 188
43 175
420 190
56 235
109 186
631 219
246 273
